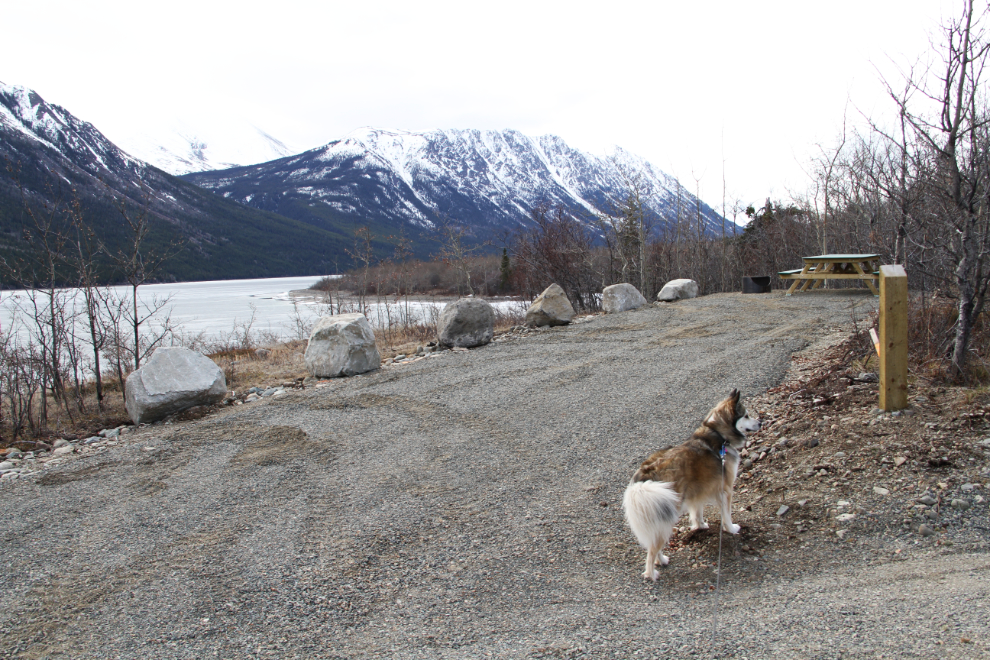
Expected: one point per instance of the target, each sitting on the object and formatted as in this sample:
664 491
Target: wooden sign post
893 344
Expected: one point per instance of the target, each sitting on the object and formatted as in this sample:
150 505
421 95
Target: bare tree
456 250
953 157
138 264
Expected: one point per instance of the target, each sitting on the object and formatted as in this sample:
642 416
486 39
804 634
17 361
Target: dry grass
931 332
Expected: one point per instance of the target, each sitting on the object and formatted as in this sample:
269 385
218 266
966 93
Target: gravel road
463 506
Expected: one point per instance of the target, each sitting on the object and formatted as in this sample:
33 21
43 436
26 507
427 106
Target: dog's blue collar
721 452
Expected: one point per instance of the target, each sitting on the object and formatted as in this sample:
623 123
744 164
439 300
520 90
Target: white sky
687 85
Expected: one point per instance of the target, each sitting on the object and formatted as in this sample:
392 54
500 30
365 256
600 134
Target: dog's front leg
725 503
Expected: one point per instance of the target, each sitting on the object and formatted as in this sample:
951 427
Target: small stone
783 442
845 517
60 443
879 490
899 461
840 454
811 442
802 502
62 451
925 530
253 396
748 463
782 511
961 505
110 433
841 533
6 465
967 487
927 500
91 440
822 473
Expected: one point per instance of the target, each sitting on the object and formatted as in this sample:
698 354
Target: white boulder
678 290
466 323
621 297
342 345
550 308
172 380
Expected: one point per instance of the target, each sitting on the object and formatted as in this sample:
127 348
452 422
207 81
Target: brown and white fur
687 477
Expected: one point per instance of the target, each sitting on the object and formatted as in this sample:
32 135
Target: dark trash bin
759 284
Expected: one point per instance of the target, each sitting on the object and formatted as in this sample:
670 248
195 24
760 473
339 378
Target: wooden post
893 338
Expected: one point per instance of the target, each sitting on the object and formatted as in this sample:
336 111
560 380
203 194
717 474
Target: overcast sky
757 86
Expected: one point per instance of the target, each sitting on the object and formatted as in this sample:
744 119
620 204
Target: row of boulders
553 308
175 378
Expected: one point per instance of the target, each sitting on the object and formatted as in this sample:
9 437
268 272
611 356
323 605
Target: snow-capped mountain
57 160
489 180
25 114
181 146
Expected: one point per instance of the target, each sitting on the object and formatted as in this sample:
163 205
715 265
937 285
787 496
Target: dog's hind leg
696 513
725 504
661 558
655 556
651 573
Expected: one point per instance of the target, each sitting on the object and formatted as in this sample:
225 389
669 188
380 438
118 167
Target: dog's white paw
703 525
733 529
652 575
664 560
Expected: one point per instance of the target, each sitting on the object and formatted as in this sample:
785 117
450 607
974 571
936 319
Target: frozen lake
217 307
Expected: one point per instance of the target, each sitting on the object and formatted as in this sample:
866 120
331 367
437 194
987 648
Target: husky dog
701 471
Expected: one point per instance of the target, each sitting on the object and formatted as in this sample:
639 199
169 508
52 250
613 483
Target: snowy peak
24 113
491 180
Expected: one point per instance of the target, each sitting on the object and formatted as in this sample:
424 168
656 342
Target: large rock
342 345
621 297
550 308
466 323
172 380
678 290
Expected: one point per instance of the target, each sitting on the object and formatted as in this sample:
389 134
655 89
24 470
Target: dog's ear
734 396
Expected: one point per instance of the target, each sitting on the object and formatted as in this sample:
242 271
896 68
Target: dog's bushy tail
652 508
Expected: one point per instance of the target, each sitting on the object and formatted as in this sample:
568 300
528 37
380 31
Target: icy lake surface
217 307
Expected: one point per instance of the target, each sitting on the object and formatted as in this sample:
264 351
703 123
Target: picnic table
834 267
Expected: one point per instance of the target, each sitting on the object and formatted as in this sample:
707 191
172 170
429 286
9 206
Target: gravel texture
468 505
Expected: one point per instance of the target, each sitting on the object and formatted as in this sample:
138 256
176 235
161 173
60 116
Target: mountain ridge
298 214
488 180
53 159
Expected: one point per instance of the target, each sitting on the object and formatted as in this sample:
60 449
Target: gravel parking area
468 506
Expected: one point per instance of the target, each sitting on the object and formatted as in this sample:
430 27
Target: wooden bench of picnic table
823 267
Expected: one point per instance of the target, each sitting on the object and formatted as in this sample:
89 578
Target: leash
718 573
